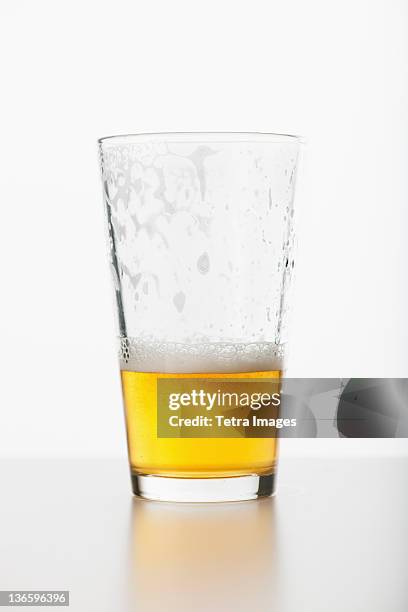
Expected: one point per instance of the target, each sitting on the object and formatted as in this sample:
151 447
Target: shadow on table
203 556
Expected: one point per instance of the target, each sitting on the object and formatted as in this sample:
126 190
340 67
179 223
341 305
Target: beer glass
200 230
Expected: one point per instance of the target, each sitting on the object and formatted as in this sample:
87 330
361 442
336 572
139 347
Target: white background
333 71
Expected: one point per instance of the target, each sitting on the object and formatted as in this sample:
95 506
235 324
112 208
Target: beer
193 457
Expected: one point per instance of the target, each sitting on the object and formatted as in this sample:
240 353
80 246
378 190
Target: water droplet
203 263
179 300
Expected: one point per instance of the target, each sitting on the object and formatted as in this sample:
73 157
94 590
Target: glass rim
180 137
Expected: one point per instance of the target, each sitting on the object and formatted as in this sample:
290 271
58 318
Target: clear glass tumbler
200 246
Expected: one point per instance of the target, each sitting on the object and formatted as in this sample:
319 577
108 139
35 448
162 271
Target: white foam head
174 357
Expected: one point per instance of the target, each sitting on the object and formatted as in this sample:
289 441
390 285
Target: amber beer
191 457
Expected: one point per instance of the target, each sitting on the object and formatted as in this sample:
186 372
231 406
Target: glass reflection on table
203 556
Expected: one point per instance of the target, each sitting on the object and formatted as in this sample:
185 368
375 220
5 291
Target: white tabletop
334 539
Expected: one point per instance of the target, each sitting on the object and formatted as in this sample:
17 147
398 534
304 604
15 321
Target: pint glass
201 253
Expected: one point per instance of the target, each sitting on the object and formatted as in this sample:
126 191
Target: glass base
202 490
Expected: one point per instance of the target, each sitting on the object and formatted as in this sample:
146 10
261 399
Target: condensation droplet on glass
203 263
179 300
